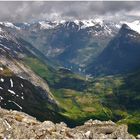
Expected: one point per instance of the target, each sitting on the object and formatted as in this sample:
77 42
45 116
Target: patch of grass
44 71
5 71
133 122
54 78
79 105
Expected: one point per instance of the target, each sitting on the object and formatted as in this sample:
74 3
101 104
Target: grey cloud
37 10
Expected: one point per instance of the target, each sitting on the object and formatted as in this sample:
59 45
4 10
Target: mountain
134 25
121 55
69 43
20 87
13 52
20 94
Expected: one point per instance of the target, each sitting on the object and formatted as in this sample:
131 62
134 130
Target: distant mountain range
72 44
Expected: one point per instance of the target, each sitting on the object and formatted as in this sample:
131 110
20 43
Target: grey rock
18 125
138 136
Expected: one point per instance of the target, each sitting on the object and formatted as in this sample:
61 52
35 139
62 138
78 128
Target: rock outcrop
18 125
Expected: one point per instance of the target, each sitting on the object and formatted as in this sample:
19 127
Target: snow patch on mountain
15 104
47 25
1 79
11 81
135 25
88 23
9 24
62 21
11 91
118 26
1 30
81 23
27 24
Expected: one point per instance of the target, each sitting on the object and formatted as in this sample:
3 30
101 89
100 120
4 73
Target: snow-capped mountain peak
44 24
9 24
135 25
88 23
47 24
1 29
81 23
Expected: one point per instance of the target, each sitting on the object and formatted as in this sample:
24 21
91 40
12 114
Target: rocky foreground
18 125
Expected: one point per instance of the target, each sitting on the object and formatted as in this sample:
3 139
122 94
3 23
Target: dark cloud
37 10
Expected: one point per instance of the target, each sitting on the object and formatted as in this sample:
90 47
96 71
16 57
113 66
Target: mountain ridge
17 80
121 55
68 36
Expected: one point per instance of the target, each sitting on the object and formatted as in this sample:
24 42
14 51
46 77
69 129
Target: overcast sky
31 11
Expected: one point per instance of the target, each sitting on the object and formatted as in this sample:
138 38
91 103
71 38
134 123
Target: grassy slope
40 109
5 71
110 97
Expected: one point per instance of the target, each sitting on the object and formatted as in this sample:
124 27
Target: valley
103 98
72 71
